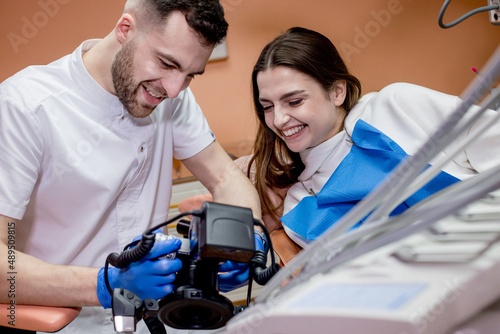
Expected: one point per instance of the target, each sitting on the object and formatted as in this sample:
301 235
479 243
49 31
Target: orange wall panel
383 41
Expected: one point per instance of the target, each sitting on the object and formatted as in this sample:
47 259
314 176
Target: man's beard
122 71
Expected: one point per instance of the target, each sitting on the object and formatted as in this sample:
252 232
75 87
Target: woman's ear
124 27
338 93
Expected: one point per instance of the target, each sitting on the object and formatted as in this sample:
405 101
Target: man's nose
174 84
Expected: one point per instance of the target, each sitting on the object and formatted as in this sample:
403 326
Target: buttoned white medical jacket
83 176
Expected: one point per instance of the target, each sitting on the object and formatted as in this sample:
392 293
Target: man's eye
165 65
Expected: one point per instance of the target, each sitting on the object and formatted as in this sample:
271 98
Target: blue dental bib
372 157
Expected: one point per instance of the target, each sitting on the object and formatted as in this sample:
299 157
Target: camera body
222 232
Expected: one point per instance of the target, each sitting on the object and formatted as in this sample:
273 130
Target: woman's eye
295 102
267 108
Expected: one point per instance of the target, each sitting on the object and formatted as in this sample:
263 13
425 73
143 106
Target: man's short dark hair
205 17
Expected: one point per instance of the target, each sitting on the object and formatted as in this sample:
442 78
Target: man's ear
338 93
124 27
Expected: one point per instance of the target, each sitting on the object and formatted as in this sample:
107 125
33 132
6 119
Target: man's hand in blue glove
147 278
233 275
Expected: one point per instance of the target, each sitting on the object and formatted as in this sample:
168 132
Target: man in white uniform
86 156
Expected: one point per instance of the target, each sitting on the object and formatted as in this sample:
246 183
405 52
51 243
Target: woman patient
327 146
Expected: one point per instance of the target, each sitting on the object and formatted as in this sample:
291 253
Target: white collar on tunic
94 91
314 157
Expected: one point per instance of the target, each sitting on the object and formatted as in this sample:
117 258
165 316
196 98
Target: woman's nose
281 117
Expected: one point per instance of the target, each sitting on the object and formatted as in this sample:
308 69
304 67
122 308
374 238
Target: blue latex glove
146 278
234 275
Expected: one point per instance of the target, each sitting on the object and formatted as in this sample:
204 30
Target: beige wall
383 41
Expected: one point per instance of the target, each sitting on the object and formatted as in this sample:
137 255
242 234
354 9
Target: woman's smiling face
298 109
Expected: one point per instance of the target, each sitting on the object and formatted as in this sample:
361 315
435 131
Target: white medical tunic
409 115
82 175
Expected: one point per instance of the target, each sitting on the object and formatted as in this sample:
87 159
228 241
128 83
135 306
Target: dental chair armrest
37 318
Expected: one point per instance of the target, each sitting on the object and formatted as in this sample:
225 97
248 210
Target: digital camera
221 233
216 233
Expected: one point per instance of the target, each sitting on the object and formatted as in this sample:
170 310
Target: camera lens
196 314
195 310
